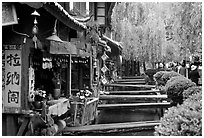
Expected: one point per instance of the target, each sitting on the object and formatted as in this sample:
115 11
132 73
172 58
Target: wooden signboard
9 16
62 48
12 80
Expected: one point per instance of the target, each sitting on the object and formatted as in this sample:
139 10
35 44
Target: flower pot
38 104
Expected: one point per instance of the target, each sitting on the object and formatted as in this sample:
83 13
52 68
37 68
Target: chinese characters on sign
12 80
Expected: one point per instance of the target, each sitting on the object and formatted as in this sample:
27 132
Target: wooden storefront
45 89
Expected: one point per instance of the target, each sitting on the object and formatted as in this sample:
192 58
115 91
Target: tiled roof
112 42
62 12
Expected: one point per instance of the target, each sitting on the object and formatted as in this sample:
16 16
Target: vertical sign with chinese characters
12 91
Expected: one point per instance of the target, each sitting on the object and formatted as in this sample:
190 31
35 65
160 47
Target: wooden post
91 70
70 75
83 116
11 125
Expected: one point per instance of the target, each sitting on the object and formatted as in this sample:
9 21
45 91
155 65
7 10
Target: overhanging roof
115 46
104 44
61 14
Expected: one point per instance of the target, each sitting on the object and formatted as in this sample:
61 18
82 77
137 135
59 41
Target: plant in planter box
190 91
168 75
150 73
39 96
162 77
175 87
182 120
158 78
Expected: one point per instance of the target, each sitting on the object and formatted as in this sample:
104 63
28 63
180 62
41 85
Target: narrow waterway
126 115
108 116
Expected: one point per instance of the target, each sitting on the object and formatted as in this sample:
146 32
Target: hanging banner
12 81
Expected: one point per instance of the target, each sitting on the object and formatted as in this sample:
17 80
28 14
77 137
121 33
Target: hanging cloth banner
31 84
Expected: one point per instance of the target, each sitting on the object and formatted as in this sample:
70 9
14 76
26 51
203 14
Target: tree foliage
143 29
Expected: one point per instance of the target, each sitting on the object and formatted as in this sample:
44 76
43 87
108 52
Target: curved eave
83 20
62 15
112 42
115 46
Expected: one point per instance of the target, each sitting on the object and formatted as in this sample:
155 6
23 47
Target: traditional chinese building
49 65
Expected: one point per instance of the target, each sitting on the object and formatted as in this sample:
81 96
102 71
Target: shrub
175 87
158 78
150 73
168 75
162 77
182 120
190 91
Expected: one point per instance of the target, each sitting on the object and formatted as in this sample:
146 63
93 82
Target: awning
82 53
62 48
115 46
61 14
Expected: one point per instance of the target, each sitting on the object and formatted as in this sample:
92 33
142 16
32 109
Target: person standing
194 74
182 69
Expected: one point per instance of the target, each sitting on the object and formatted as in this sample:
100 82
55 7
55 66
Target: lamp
35 28
54 36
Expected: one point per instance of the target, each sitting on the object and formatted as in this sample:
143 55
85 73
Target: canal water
107 116
125 115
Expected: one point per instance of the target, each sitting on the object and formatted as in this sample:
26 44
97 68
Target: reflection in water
127 115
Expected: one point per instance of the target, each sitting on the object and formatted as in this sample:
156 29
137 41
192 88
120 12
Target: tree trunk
138 68
144 66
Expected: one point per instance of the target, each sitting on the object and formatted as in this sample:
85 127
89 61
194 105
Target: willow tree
186 21
138 27
142 28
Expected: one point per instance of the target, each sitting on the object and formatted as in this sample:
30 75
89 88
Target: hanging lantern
35 28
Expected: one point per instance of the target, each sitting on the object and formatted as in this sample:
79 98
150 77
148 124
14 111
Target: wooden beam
122 80
130 85
23 127
134 105
134 92
100 127
95 99
115 97
133 82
